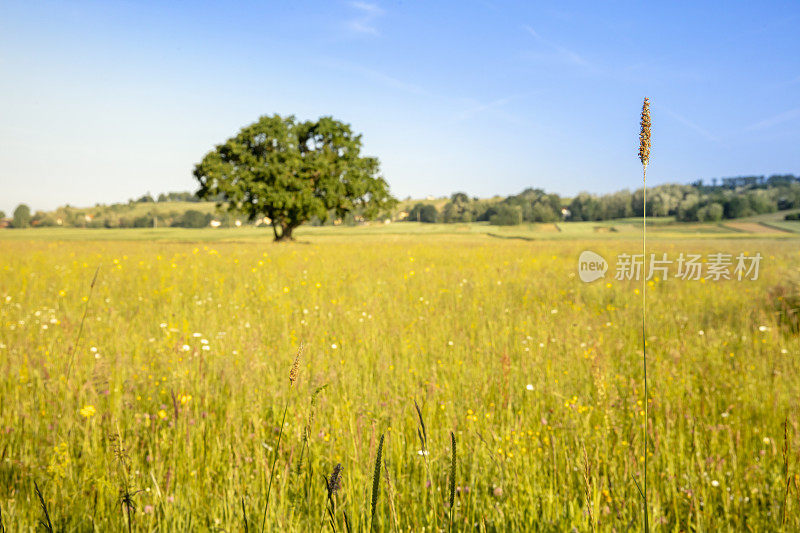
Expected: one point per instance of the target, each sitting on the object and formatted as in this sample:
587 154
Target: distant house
402 215
215 223
5 222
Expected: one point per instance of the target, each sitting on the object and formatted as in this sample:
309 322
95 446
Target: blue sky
104 101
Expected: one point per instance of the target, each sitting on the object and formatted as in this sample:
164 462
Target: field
170 395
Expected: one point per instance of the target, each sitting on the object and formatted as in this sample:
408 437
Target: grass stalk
272 469
46 523
390 495
422 432
244 516
644 157
376 482
587 489
83 320
453 462
293 374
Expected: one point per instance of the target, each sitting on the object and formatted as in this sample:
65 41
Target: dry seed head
335 481
296 365
644 134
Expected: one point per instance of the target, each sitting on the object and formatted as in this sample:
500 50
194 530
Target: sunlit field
164 412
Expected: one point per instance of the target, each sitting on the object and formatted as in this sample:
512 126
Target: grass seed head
295 370
335 481
644 134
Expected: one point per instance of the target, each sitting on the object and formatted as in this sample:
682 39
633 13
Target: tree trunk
285 233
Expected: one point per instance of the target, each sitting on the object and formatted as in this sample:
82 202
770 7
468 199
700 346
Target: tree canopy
22 216
291 172
423 213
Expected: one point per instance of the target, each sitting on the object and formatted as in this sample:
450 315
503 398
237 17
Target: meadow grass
663 228
183 361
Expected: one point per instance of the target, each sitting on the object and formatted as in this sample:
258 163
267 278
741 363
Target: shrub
193 219
507 215
144 221
423 213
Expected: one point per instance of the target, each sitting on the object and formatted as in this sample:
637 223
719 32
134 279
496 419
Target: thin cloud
363 22
780 118
495 106
375 76
370 9
691 125
560 51
478 107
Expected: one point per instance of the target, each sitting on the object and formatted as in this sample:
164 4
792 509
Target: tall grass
452 477
644 157
76 344
45 522
384 322
293 373
376 483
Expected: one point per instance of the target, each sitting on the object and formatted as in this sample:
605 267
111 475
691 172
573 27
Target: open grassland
771 226
173 396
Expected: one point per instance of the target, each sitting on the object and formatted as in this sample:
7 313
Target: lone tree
292 171
22 216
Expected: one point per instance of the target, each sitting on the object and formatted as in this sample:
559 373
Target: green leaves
292 172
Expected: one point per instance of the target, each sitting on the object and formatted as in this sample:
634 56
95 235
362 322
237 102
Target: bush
43 220
711 213
423 213
145 221
542 212
792 216
507 215
193 219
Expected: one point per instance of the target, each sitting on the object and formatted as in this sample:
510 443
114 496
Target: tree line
727 198
118 216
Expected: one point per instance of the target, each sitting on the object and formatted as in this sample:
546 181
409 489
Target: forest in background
719 199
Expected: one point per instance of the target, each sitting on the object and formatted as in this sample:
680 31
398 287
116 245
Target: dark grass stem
46 523
453 463
376 482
